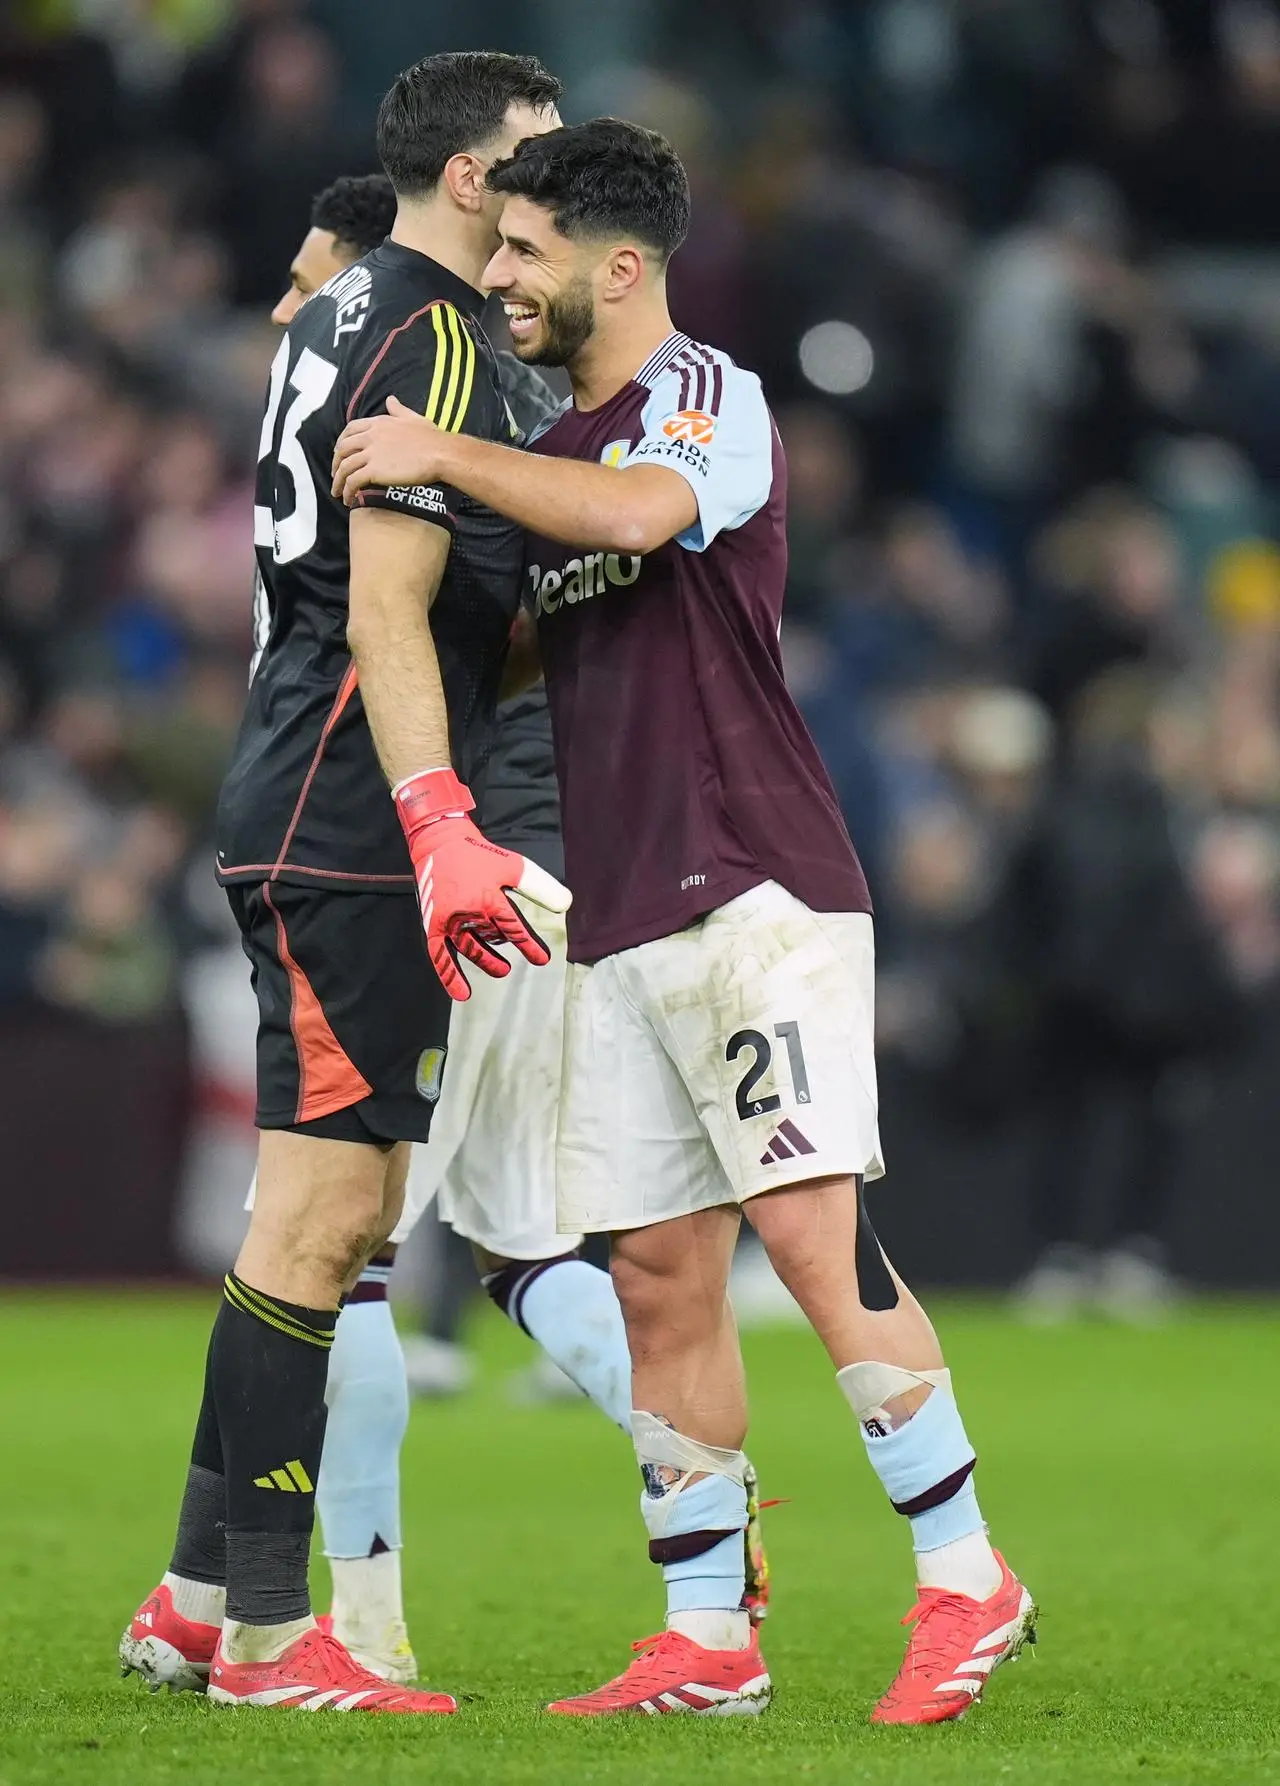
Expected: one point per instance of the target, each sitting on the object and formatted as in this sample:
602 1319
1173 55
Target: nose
287 308
497 275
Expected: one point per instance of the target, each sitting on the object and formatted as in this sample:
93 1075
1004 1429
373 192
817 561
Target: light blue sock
714 1581
572 1310
358 1494
922 1456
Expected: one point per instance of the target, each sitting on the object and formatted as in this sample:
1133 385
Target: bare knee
643 1287
808 1229
330 1240
672 1279
318 1215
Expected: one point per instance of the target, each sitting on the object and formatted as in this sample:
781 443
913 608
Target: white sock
572 1311
203 1602
261 1643
358 1493
713 1630
965 1566
368 1608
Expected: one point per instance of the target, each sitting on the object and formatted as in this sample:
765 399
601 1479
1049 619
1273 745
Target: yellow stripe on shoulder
432 410
445 418
468 377
453 375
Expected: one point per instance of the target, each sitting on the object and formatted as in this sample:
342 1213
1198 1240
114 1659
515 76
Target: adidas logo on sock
786 1144
291 1477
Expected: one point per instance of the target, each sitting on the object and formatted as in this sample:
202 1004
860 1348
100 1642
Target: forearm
592 506
396 567
403 698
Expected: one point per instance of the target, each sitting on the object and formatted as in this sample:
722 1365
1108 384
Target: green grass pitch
1132 1478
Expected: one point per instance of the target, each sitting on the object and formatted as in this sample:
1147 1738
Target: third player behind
719 1054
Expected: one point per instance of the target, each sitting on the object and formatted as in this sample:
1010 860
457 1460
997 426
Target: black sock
268 1364
200 1548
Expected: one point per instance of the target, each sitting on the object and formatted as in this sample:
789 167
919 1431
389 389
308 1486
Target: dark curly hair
602 178
446 104
357 210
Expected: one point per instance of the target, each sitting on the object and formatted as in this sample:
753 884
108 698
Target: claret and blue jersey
687 775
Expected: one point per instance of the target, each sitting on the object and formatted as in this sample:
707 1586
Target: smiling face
547 284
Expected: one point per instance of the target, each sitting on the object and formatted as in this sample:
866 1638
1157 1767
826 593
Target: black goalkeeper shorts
353 1022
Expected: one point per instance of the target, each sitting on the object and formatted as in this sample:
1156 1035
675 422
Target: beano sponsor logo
580 579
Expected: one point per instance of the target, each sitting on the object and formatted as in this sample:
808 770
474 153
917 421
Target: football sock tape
200 1548
657 1442
926 1463
268 1365
695 1532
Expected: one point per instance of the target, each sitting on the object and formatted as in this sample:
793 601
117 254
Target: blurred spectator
1110 594
1061 339
1032 429
110 961
824 502
1135 999
24 245
281 142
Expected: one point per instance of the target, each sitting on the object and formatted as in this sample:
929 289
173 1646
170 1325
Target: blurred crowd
1009 269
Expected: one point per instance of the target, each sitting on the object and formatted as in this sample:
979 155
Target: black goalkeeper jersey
305 799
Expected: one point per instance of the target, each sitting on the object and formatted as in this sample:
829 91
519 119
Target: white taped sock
203 1602
713 1630
261 1643
368 1606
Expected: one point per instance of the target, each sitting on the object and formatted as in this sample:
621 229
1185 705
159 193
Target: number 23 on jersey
290 532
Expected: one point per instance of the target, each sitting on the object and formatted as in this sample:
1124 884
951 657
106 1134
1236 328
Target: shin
690 1417
890 1368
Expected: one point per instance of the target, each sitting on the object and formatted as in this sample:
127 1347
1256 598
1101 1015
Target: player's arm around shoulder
694 473
597 507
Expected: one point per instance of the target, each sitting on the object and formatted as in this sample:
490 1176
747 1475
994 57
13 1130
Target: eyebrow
521 242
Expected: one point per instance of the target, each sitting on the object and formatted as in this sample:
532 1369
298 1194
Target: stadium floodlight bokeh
836 358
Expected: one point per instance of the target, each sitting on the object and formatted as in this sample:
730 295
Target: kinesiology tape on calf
877 1291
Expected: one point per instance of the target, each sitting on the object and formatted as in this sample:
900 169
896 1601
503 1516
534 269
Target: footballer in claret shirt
719 1009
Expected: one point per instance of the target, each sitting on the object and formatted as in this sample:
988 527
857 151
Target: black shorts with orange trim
353 1023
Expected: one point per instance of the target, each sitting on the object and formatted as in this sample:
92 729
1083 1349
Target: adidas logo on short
786 1144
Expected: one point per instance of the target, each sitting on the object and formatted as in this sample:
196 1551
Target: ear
625 270
464 177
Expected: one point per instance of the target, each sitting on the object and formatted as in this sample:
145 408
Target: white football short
491 1155
726 1060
